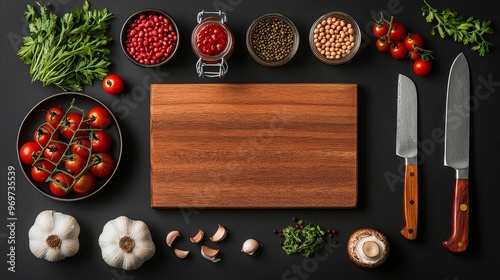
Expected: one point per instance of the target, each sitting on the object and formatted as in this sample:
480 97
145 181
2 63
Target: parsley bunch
67 51
461 28
301 238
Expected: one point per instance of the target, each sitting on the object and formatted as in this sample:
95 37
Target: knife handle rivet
460 244
412 201
463 207
410 231
412 174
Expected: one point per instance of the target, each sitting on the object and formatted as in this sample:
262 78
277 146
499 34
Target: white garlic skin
250 246
48 223
121 227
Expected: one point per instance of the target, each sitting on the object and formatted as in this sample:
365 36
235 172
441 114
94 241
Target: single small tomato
99 117
44 134
60 183
113 84
382 45
29 152
73 125
397 32
398 50
413 39
380 29
422 67
86 184
40 172
105 165
54 151
413 55
75 163
81 146
101 141
54 116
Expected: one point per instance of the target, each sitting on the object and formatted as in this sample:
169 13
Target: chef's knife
456 150
406 147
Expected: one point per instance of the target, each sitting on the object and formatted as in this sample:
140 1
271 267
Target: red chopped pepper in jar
211 39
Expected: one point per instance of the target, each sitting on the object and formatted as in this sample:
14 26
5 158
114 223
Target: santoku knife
406 147
456 150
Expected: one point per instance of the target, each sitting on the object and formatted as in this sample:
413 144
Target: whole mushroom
368 248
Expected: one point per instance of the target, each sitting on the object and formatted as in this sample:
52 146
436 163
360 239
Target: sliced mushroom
368 248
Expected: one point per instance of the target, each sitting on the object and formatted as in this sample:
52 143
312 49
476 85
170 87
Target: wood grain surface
253 145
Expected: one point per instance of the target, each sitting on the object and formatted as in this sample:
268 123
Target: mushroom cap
368 248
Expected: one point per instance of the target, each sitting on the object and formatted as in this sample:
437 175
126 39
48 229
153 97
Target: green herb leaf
68 51
466 30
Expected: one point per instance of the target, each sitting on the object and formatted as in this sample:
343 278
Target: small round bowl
150 23
212 25
272 47
36 117
335 38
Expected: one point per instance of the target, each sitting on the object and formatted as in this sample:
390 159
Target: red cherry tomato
54 116
380 30
81 146
413 55
73 125
44 134
413 39
54 151
29 152
398 31
86 184
422 67
105 166
75 163
101 141
113 84
398 50
99 117
40 172
60 183
382 45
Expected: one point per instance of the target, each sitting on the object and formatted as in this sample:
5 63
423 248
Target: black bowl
36 117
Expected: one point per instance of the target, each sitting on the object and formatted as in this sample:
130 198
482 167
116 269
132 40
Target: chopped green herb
467 30
302 239
67 51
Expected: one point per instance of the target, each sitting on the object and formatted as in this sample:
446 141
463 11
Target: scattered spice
272 39
303 238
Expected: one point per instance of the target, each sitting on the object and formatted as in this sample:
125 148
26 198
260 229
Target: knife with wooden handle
406 147
456 151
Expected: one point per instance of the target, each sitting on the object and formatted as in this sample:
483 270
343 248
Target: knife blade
406 147
456 150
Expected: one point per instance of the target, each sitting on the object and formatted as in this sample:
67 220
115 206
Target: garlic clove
219 235
181 253
171 236
250 246
198 237
210 253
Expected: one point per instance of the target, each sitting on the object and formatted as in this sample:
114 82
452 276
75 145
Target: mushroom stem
371 249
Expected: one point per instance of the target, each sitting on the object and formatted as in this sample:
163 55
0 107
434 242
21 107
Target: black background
380 199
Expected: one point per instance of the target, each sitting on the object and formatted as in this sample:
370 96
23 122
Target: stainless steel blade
406 132
456 143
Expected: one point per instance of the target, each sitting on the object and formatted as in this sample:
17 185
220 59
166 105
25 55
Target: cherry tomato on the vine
54 151
86 184
75 163
413 39
398 31
73 125
99 117
54 116
29 152
101 141
380 29
113 84
413 55
60 183
44 134
422 67
81 146
40 172
105 166
398 50
382 45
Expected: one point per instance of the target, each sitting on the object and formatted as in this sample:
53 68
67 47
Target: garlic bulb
250 246
126 243
54 236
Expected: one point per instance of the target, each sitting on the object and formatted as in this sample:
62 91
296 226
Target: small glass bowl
326 22
150 48
225 53
272 62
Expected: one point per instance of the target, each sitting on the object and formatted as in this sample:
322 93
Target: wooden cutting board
253 145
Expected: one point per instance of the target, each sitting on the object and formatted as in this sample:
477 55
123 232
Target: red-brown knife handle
459 238
410 202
